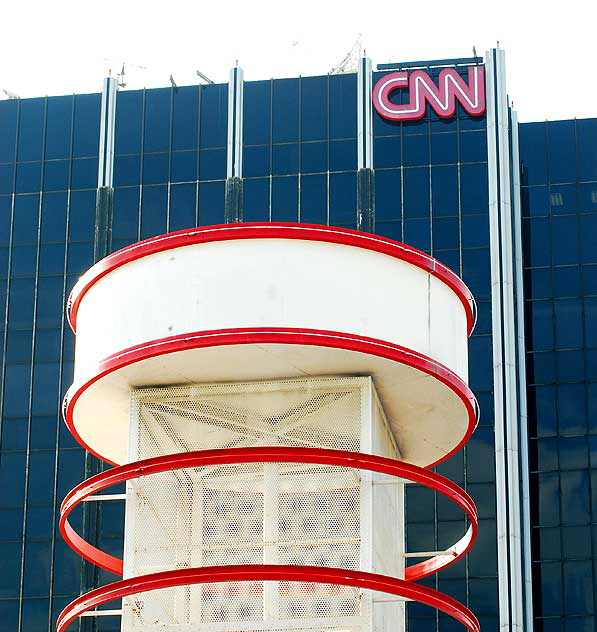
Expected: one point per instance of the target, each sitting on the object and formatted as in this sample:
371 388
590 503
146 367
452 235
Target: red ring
269 572
276 335
281 230
277 454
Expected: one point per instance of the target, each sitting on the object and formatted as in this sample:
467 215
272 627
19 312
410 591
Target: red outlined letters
442 97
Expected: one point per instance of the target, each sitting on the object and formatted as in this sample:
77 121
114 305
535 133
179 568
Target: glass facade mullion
327 153
142 164
459 180
432 246
15 534
25 550
169 178
299 152
270 147
199 114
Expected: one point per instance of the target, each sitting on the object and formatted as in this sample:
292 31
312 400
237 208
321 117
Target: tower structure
265 391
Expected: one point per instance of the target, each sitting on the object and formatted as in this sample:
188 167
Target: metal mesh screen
323 412
285 513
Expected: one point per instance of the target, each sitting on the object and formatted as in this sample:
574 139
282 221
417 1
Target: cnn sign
451 87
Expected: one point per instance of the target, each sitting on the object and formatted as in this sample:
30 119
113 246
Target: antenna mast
349 62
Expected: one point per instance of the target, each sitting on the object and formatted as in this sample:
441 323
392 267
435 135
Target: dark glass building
559 203
510 207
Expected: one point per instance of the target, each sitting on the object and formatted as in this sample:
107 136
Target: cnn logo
442 98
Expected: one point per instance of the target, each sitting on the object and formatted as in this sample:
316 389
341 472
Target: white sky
62 47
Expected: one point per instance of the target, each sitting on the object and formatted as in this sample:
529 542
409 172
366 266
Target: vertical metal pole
105 192
234 169
365 175
506 385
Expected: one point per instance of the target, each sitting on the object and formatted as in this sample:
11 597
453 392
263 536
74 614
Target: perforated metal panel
324 412
284 513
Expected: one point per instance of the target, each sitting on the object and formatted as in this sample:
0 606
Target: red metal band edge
271 454
282 230
275 335
269 572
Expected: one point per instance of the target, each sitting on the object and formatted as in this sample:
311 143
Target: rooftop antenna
10 94
120 77
474 52
349 62
202 76
173 83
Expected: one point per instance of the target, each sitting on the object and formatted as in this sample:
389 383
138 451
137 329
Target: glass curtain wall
300 164
559 192
48 176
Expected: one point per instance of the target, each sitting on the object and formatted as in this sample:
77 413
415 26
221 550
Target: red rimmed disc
311 574
274 454
434 410
309 232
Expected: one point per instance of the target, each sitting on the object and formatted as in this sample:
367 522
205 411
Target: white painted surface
270 283
427 418
271 513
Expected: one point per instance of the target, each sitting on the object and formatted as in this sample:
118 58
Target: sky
64 47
